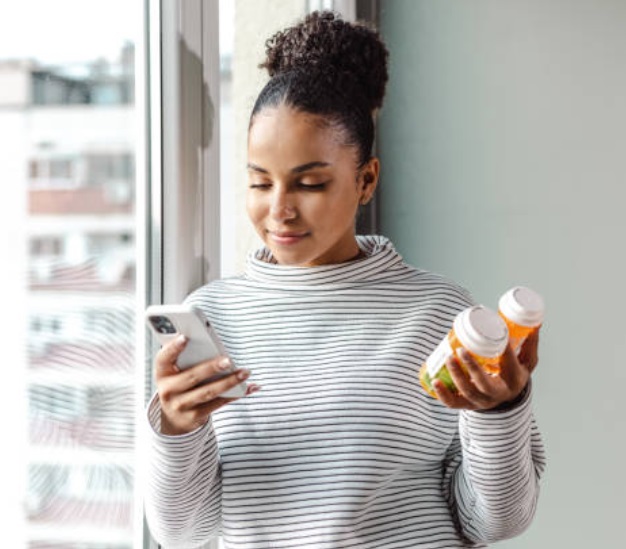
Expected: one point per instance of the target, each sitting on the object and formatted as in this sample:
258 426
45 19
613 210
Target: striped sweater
341 448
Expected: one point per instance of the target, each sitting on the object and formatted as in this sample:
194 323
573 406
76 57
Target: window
68 149
46 246
101 168
47 170
96 242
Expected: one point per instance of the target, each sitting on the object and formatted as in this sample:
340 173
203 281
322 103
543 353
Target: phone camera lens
162 324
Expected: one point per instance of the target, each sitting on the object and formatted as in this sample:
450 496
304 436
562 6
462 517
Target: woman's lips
287 238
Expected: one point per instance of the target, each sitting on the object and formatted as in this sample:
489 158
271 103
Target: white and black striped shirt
341 448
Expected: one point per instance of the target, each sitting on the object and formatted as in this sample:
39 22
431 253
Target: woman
336 444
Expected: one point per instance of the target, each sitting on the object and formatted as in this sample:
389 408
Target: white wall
503 143
14 84
255 22
74 128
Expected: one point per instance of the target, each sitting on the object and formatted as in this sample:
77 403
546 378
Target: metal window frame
177 171
189 145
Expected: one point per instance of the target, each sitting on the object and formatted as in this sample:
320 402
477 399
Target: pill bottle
481 331
522 309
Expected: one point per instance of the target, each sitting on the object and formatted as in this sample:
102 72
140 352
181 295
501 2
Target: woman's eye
261 186
312 186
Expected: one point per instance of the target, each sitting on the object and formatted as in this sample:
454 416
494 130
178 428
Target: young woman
336 444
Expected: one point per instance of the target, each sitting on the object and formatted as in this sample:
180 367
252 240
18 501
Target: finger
449 398
193 419
195 375
529 353
481 380
208 392
252 388
464 384
218 402
165 359
512 372
170 387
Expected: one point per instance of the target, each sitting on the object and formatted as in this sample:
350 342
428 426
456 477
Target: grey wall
503 143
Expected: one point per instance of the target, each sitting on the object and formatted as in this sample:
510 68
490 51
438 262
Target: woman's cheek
253 208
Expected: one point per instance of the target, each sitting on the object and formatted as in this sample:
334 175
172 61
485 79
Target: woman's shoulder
437 286
213 293
417 279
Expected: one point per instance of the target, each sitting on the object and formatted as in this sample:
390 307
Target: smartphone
168 321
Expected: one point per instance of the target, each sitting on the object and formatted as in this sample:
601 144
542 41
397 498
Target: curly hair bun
343 51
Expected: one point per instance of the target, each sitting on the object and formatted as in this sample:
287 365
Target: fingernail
243 374
225 364
253 389
180 340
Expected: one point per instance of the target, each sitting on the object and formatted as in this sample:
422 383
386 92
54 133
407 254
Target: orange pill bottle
522 310
481 331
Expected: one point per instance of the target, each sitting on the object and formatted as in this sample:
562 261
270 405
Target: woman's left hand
479 390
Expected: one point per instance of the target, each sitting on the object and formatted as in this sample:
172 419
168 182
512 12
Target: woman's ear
368 180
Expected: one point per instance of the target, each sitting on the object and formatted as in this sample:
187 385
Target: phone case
168 321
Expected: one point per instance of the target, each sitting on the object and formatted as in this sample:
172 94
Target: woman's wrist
511 404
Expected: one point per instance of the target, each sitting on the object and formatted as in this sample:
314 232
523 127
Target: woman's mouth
287 238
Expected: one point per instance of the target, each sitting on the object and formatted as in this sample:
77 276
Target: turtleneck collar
382 261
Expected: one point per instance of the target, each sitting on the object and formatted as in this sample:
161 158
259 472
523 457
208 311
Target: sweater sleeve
491 476
182 486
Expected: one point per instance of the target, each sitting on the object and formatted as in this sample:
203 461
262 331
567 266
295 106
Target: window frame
177 168
189 146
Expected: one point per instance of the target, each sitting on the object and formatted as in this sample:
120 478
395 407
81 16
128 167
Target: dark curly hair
328 67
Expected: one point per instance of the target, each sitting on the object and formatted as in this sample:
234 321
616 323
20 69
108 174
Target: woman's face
304 187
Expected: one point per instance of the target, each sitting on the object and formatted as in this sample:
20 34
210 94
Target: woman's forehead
286 130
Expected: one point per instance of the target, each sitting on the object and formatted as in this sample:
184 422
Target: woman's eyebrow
256 168
309 166
297 169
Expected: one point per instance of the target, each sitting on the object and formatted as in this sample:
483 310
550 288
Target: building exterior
77 129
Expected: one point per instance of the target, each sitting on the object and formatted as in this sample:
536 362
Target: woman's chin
291 259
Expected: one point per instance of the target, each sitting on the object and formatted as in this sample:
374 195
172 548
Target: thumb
529 355
165 359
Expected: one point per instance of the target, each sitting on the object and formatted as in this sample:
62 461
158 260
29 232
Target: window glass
67 147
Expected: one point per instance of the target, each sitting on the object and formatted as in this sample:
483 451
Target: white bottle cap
522 306
481 331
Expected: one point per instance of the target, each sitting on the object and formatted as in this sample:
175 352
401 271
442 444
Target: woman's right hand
185 404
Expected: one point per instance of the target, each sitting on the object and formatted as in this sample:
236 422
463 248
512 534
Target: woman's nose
282 207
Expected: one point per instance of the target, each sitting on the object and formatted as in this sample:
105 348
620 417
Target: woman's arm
491 476
182 484
493 467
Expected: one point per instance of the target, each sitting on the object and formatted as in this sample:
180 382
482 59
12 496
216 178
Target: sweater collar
381 262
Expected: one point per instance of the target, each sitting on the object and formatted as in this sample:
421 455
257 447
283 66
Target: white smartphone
168 321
